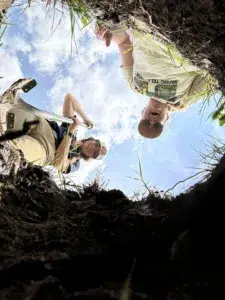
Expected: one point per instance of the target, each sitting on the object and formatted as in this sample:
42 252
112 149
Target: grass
141 179
2 31
214 150
79 8
67 183
78 11
219 113
145 190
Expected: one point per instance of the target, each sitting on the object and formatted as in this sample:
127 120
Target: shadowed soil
59 244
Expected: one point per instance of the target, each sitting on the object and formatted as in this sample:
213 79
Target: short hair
148 130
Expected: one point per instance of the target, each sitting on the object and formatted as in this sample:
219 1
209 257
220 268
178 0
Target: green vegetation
79 9
219 114
2 31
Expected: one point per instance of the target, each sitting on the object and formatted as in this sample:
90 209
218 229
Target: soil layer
58 244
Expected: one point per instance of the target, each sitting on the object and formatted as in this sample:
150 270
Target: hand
89 123
73 127
102 33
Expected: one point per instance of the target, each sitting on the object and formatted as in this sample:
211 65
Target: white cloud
50 36
16 43
10 69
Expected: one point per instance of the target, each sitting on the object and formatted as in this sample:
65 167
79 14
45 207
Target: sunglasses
156 125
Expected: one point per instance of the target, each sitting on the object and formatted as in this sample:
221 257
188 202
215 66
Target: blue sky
93 75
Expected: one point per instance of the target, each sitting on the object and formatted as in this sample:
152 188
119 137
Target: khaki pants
39 146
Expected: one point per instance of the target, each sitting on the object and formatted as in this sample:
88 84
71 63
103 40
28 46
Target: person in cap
69 150
156 69
48 143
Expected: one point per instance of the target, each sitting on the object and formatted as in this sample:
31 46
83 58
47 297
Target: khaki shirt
159 70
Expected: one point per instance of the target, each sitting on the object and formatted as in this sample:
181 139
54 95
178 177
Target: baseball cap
102 151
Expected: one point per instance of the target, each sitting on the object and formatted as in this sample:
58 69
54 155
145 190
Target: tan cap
103 150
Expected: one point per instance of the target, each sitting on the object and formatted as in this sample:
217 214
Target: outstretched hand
104 34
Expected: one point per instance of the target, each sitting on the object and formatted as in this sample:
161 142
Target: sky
37 43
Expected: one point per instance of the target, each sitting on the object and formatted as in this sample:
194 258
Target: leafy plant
219 114
78 8
141 179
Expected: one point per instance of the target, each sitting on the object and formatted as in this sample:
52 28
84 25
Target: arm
122 39
126 50
71 105
61 160
72 167
125 46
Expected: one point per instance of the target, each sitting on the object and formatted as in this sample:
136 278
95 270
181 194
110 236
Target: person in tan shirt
156 69
48 143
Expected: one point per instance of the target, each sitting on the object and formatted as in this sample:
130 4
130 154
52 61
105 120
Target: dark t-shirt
59 133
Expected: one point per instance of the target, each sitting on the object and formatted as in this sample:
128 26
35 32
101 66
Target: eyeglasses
156 125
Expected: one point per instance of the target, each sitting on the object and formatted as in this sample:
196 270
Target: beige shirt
159 70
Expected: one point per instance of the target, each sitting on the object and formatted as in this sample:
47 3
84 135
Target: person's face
155 112
91 148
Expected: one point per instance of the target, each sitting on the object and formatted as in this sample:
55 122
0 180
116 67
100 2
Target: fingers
87 122
103 34
100 32
76 120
